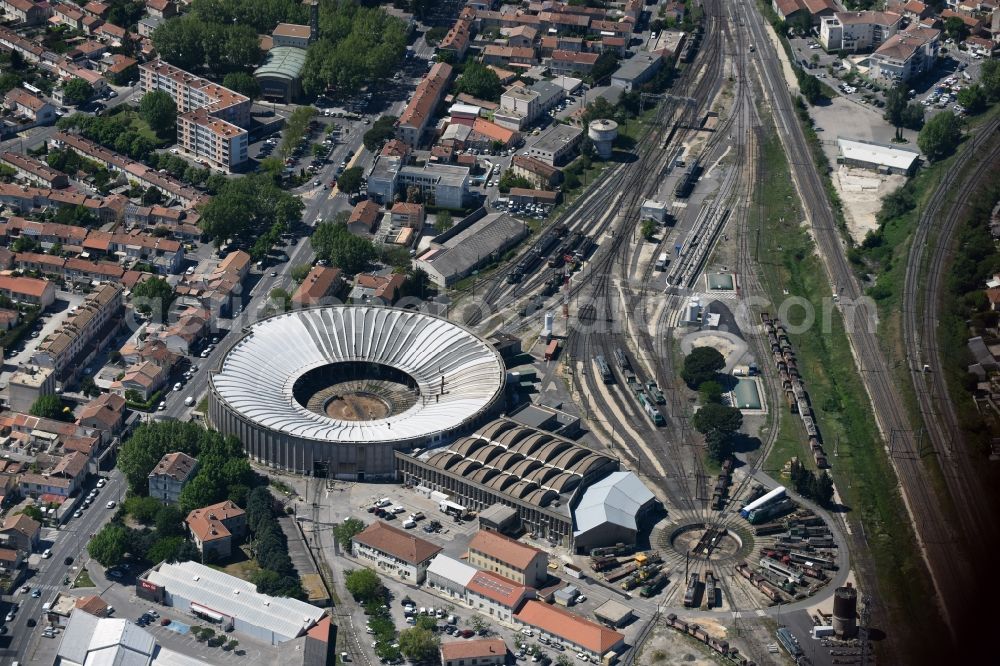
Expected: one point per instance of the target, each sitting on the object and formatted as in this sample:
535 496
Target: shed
611 510
565 596
614 613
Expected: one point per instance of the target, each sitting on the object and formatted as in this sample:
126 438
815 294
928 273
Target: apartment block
91 320
857 31
415 117
906 55
211 118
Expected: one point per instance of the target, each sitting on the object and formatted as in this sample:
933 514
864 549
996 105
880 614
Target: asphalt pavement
68 541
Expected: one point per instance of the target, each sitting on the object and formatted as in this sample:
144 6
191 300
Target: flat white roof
873 153
228 595
451 569
464 108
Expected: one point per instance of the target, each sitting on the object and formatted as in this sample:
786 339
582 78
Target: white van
384 502
409 524
189 401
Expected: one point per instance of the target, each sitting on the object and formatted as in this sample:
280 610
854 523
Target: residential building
210 117
217 528
485 135
599 643
509 558
369 287
147 25
414 120
556 144
906 55
515 57
383 179
106 413
27 385
10 562
364 218
93 321
788 10
571 62
61 481
480 652
145 379
394 551
190 326
34 172
32 107
28 290
322 284
20 532
170 475
538 173
410 215
26 12
456 42
858 31
496 596
162 9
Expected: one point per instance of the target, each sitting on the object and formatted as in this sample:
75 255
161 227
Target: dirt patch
862 192
357 407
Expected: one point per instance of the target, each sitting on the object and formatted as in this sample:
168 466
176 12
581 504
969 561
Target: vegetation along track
922 292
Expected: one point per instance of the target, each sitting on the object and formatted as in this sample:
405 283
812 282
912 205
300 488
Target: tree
319 150
151 441
718 445
716 417
702 365
972 98
172 549
152 196
34 512
50 407
823 493
249 207
153 296
77 91
346 531
169 521
647 228
435 35
989 78
299 272
956 29
179 42
243 83
604 66
363 584
350 180
381 131
510 180
940 136
334 242
710 391
895 104
143 509
418 644
810 88
444 222
109 545
157 108
480 81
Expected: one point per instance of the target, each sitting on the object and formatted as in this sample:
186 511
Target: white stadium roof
258 374
236 598
616 499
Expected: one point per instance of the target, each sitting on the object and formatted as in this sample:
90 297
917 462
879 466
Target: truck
451 508
662 261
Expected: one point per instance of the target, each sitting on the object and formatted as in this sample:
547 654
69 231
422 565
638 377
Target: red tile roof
497 588
484 647
569 627
504 549
394 541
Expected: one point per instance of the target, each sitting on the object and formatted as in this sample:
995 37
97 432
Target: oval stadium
333 391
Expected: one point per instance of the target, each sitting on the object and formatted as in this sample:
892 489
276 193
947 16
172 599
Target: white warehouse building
228 601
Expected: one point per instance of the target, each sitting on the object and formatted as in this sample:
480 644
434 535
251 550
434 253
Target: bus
661 263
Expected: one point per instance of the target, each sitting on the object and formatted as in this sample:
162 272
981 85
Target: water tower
845 605
602 133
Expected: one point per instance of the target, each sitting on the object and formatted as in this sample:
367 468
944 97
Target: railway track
938 539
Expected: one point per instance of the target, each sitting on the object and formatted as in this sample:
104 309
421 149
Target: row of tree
815 486
716 421
245 209
277 575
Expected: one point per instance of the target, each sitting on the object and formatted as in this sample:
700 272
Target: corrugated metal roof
287 618
616 499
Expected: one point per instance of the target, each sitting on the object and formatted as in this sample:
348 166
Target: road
69 541
939 540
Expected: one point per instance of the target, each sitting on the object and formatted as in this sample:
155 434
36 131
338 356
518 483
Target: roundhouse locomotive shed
333 391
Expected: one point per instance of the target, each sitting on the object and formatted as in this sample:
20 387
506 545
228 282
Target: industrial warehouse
230 602
541 475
